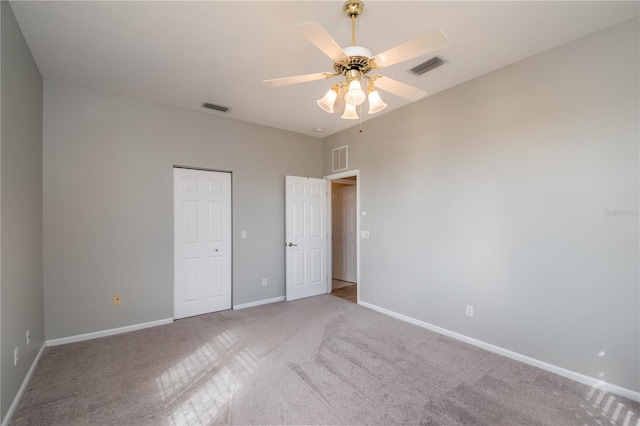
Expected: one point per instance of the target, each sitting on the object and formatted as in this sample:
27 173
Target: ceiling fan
355 62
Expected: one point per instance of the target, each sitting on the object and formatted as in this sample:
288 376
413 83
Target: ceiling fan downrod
353 9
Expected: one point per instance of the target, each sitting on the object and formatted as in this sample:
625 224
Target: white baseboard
105 333
578 377
23 387
258 303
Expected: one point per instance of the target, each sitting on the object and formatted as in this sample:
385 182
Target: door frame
173 235
332 177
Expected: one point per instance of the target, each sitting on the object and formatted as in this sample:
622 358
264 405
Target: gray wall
21 211
495 194
108 203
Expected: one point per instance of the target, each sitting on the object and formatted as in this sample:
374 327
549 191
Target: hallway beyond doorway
349 292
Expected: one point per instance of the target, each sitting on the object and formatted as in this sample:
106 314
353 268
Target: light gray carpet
321 360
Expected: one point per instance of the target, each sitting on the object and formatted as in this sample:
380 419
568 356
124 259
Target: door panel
298 267
202 238
216 280
306 237
316 265
298 215
216 217
191 271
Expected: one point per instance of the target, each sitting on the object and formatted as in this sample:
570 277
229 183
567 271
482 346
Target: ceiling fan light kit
355 62
350 112
375 102
329 99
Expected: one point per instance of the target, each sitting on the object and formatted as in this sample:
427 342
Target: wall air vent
215 107
424 67
339 158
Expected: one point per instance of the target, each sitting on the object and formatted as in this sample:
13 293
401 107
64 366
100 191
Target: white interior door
306 237
202 242
344 238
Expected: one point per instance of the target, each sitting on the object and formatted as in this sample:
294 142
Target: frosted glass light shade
355 95
350 112
327 101
375 102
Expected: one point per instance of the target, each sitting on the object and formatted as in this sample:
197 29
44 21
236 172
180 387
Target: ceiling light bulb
375 102
328 100
355 95
350 112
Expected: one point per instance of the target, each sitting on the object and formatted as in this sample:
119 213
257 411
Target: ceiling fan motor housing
357 59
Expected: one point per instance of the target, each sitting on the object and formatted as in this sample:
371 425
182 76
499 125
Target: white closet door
202 242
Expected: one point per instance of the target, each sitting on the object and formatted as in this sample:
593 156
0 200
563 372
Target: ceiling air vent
215 107
424 67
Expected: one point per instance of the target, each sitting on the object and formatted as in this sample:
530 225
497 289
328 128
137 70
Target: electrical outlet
15 357
264 282
116 299
470 311
28 337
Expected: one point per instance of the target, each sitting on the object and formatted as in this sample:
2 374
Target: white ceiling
186 53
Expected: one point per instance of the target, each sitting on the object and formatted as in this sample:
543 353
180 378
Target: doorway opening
345 230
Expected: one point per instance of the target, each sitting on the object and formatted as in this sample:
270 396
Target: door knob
292 245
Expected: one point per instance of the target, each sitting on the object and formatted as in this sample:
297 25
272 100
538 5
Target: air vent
339 158
215 107
424 67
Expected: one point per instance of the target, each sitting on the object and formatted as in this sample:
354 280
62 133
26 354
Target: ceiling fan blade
397 88
285 81
419 46
317 35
